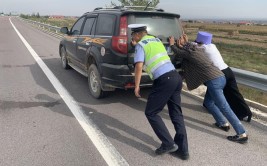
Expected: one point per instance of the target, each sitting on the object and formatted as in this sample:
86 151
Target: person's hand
180 42
133 43
185 38
171 40
137 91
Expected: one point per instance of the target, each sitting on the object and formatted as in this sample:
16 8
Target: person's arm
138 74
139 59
179 52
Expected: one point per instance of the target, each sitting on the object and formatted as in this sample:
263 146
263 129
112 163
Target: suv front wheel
94 82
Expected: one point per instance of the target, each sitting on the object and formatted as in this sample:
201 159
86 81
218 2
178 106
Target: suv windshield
161 26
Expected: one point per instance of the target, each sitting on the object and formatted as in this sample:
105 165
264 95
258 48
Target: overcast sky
188 9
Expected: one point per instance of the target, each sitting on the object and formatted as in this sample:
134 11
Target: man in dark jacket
198 69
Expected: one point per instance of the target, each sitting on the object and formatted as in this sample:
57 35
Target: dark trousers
233 96
167 90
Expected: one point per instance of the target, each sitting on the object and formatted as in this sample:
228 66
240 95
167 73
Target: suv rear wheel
64 60
94 82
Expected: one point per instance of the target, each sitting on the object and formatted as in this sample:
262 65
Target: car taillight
119 43
129 85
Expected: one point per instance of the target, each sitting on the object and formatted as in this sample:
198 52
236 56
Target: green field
242 46
65 22
246 50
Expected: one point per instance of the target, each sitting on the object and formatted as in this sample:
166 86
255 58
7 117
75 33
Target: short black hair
139 29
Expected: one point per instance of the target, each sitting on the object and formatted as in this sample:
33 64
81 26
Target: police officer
151 55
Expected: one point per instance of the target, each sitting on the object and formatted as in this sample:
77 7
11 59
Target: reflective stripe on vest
156 57
155 54
146 41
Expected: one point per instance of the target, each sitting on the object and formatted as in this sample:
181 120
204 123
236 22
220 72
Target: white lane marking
105 148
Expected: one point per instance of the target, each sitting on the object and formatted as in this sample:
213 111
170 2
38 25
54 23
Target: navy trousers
167 90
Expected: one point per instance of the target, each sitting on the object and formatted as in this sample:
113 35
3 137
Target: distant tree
33 15
24 16
153 3
38 15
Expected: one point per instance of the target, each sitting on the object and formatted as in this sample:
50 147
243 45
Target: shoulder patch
144 41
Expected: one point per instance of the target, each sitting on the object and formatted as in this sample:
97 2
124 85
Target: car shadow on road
191 122
139 105
119 131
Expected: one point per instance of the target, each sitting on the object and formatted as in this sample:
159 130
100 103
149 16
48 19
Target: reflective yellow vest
155 54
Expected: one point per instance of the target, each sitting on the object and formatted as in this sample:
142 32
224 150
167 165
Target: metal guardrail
251 79
43 25
248 78
49 29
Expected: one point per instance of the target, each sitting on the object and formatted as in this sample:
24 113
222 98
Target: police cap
137 27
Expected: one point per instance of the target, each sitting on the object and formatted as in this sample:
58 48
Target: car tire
94 82
64 60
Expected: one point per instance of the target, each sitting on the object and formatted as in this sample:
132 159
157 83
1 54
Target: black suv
99 45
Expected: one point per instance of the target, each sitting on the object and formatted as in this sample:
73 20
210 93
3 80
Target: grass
246 49
237 38
67 22
243 29
253 94
244 57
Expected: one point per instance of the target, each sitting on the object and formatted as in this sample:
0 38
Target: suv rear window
161 26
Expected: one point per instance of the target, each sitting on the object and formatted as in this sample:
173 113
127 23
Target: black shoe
224 128
238 138
163 149
182 155
246 118
249 118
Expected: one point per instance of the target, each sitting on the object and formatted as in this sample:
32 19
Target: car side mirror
64 30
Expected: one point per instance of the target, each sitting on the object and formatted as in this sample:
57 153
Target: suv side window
105 24
76 29
88 26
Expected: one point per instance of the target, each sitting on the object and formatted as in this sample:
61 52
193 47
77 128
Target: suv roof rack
127 8
139 7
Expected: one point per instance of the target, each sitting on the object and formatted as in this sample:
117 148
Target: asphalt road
37 126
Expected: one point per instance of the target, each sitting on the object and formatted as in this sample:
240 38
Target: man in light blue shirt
140 57
166 89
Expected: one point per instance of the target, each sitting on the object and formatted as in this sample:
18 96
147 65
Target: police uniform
166 89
